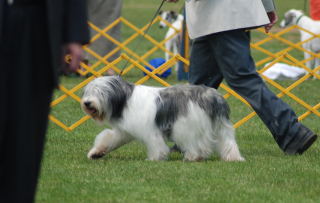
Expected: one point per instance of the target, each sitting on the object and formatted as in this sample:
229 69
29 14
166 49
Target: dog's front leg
157 148
105 142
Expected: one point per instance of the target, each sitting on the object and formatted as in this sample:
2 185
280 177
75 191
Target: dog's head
104 98
291 17
169 16
94 100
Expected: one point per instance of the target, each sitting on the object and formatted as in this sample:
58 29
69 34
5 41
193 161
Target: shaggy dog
196 118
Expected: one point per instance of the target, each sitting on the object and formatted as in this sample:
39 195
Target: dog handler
32 34
221 50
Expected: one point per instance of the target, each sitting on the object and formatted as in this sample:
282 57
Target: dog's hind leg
316 64
196 149
175 51
157 148
105 142
308 63
168 46
226 145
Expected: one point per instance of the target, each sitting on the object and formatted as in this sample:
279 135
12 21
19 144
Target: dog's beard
94 111
91 110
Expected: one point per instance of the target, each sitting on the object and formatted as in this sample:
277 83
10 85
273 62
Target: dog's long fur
196 118
290 18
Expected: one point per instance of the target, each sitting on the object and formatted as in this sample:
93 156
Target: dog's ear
160 12
289 19
174 14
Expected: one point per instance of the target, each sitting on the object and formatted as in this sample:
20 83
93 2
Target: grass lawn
67 175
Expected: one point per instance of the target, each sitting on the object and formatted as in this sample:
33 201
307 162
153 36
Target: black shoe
175 148
301 142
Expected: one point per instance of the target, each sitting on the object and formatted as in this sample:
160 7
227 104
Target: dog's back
174 102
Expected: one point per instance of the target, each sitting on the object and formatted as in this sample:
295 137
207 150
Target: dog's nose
87 103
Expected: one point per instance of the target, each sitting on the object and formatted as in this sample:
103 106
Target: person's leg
28 93
23 143
232 52
203 68
4 111
102 14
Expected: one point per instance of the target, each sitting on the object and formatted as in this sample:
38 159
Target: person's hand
273 19
170 1
75 50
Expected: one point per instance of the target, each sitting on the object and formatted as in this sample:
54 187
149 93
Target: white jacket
205 17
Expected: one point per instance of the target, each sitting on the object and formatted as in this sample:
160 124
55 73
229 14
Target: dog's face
169 16
290 18
105 98
94 100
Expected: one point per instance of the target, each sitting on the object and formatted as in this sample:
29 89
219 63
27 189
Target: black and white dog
196 118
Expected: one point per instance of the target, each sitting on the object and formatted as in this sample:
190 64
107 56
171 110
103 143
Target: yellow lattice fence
291 46
280 56
123 45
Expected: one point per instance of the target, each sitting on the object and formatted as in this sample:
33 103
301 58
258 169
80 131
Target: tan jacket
205 17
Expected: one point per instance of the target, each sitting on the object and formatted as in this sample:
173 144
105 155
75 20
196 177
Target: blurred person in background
314 9
102 13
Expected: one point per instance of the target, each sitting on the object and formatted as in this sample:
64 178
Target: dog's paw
96 154
193 158
162 157
238 158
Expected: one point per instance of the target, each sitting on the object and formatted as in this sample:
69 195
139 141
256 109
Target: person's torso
211 16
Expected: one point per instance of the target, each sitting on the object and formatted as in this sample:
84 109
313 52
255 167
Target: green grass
124 175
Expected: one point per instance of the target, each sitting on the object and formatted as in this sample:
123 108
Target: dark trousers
26 85
226 55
